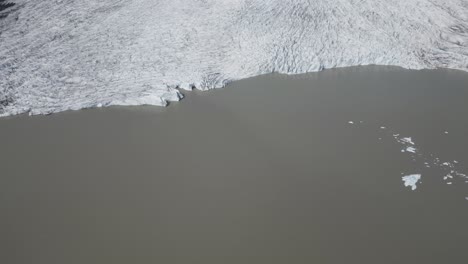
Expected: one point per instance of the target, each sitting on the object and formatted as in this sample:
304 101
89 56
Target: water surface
268 170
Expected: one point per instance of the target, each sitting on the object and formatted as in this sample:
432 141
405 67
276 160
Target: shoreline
184 92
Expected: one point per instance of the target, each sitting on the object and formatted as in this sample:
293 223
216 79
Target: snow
411 180
61 55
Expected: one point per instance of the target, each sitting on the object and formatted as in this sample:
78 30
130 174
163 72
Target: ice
448 169
411 180
407 140
61 55
350 122
448 177
411 149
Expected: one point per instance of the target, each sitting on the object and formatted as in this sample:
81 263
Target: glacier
58 55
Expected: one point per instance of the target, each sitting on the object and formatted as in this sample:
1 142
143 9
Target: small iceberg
411 180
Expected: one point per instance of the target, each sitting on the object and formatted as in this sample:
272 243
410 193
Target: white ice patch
411 180
411 149
350 122
407 140
60 55
448 169
448 176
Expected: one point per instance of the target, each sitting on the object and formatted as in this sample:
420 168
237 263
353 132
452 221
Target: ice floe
411 180
411 149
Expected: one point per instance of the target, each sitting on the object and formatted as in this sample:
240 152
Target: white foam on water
68 55
411 180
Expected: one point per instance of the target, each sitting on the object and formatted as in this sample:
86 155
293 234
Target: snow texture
57 55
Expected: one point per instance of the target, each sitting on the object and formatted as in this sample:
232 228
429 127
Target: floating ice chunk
411 180
351 122
446 132
411 149
382 127
449 183
448 177
407 140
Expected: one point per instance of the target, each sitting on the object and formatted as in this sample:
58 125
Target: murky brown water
265 171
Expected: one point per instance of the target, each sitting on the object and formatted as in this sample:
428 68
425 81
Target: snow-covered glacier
57 55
